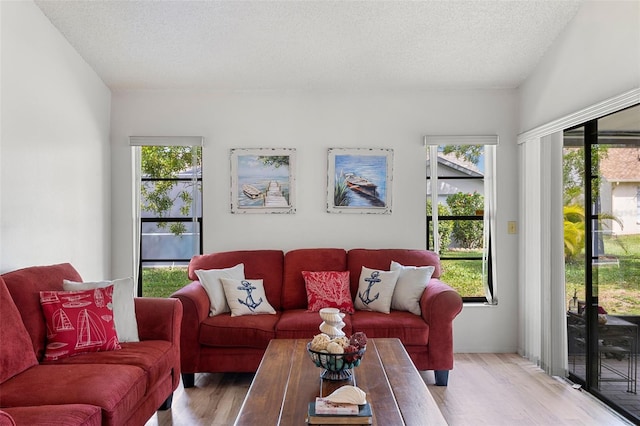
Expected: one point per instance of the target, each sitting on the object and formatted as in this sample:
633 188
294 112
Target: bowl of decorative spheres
336 366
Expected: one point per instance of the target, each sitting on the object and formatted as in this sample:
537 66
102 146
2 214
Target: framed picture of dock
263 180
359 180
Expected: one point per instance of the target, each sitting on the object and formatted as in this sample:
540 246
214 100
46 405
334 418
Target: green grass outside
463 275
619 287
163 282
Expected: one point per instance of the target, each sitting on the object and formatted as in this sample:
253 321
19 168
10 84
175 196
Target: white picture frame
263 180
360 180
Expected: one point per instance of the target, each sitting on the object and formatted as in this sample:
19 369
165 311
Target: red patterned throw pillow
78 322
328 289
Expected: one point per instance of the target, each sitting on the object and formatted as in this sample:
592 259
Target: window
601 253
169 213
460 183
638 205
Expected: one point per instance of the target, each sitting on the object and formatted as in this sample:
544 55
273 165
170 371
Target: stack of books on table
323 412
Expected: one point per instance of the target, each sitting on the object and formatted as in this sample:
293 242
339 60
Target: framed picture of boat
263 180
359 180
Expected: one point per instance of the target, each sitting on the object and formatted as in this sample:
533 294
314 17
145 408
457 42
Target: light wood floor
484 389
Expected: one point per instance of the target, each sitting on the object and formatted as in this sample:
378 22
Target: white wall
55 159
624 200
596 58
312 123
55 107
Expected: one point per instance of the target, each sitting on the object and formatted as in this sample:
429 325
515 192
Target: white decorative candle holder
332 322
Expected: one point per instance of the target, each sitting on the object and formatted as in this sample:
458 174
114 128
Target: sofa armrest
440 304
196 306
195 300
159 319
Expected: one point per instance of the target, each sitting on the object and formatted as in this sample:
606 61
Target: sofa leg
188 380
167 403
442 377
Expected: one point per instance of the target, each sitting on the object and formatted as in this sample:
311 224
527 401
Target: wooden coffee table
287 381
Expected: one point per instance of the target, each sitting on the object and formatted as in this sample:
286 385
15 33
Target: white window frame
136 142
490 143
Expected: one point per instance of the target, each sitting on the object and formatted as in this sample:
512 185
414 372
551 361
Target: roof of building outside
459 164
621 165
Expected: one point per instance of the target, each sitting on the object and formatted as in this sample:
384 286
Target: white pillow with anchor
375 290
246 297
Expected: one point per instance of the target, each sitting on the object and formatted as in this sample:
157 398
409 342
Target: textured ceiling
311 45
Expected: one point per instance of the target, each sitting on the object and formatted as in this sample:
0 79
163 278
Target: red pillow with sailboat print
78 322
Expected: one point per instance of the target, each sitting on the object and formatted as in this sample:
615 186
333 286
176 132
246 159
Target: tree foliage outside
465 275
159 197
444 226
573 173
573 232
470 153
467 233
616 283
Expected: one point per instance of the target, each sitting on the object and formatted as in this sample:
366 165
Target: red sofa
121 387
223 343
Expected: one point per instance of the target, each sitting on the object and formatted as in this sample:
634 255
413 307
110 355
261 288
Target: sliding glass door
602 256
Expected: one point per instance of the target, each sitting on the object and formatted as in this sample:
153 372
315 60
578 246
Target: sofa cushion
265 265
124 310
409 328
6 419
375 290
65 414
78 322
16 350
25 286
411 284
294 294
117 389
246 297
155 357
302 324
381 259
328 289
210 280
249 331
